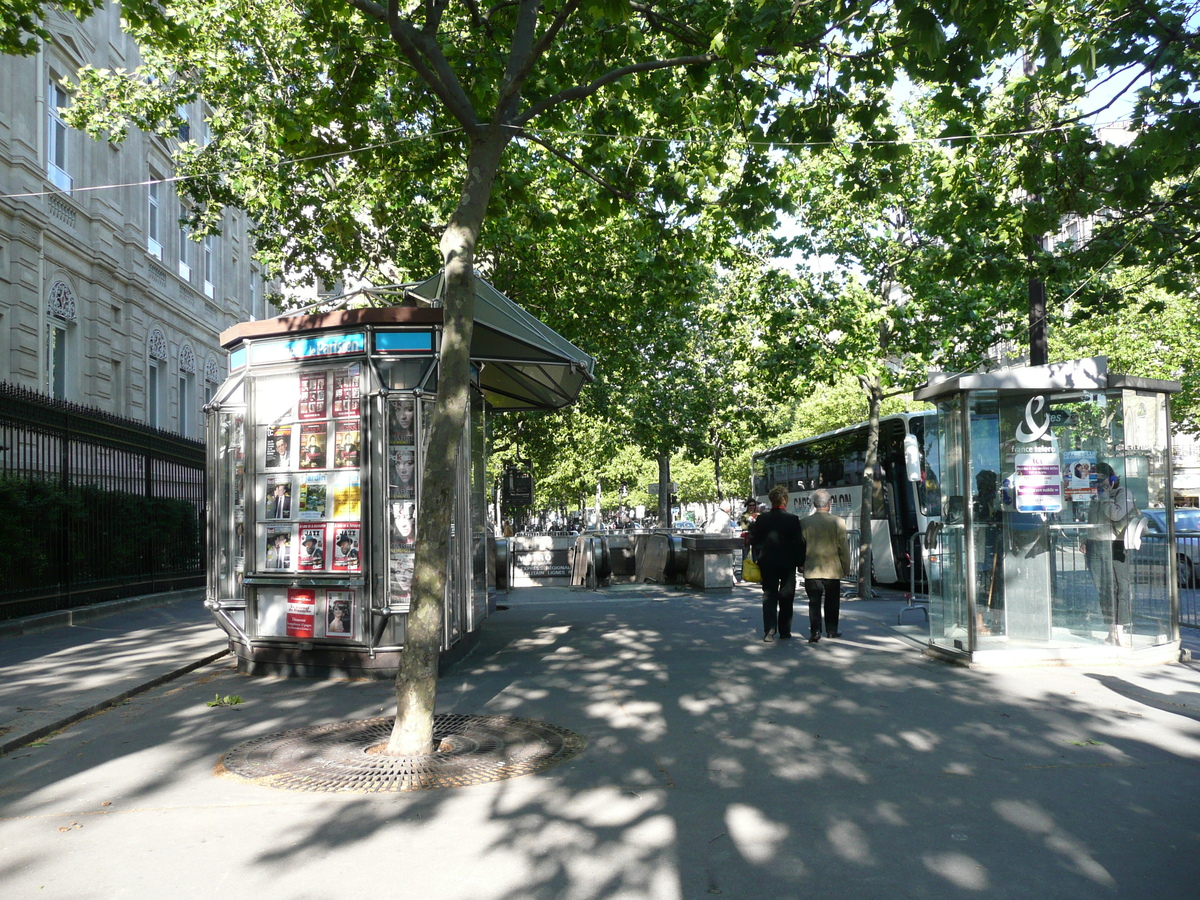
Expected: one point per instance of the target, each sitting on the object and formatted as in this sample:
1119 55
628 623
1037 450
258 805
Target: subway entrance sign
518 488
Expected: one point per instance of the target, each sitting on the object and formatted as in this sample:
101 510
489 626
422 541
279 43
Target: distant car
1187 539
686 525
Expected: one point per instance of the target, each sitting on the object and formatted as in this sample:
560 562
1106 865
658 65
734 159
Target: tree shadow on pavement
716 765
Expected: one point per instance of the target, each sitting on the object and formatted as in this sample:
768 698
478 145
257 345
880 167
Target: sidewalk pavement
56 669
716 765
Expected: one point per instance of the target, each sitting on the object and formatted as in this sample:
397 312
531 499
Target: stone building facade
104 298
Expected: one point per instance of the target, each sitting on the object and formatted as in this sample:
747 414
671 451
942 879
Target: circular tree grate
344 757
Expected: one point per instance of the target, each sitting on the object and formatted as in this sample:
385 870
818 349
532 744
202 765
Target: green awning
524 364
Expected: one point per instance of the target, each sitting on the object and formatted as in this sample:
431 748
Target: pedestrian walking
826 563
775 539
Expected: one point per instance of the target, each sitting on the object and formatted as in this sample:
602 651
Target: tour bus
905 493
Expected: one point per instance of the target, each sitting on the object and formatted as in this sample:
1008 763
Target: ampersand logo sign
1030 430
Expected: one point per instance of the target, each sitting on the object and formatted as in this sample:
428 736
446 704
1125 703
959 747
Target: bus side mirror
912 457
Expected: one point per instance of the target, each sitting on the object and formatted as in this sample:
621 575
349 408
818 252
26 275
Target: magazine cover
278 497
310 557
401 422
312 395
404 524
313 497
339 613
347 496
279 547
345 392
402 566
402 473
312 445
346 443
301 612
279 446
345 538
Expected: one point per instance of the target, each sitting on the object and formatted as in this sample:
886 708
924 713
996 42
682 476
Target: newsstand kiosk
316 445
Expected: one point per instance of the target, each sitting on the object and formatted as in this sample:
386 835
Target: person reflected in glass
1105 549
986 512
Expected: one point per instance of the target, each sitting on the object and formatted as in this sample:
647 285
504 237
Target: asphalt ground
716 765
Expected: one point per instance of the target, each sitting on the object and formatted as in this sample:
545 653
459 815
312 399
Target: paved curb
15 743
66 617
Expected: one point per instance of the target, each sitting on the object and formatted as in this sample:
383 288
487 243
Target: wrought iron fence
93 506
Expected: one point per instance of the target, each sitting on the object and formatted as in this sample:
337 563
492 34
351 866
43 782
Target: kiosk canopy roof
525 363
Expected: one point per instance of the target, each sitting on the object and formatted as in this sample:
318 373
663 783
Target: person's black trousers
779 596
829 591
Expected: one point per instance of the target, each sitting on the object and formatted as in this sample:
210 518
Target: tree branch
518 72
621 195
521 57
586 90
426 58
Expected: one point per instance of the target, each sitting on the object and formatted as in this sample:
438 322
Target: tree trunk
416 678
716 446
870 467
664 491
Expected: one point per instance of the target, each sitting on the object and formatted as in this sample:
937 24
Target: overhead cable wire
688 139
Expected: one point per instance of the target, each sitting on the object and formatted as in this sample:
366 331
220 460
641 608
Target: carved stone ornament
158 344
187 359
211 372
61 304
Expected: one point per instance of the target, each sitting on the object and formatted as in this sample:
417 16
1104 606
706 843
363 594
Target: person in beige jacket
826 563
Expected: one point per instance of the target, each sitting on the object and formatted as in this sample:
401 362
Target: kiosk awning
523 363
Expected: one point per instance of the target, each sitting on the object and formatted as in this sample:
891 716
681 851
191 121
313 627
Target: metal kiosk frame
316 445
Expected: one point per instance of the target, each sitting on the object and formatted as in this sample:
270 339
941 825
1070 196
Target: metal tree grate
339 757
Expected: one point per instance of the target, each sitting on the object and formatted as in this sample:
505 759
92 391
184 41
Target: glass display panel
403 428
1157 569
1057 478
478 489
306 612
407 374
229 508
308 492
948 621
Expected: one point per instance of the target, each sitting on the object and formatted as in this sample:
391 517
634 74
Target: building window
61 313
185 126
209 264
56 137
187 393
153 229
254 312
56 359
157 346
152 394
185 248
